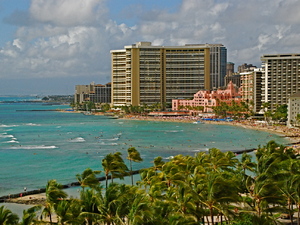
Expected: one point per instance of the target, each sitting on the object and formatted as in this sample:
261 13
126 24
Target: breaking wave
103 143
78 139
3 125
5 135
32 124
11 141
112 139
33 147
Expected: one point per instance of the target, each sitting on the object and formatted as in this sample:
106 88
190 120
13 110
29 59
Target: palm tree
29 215
88 178
54 194
267 113
288 182
110 205
75 211
7 217
133 155
108 166
139 209
263 191
148 177
220 161
90 200
246 163
158 163
114 164
245 166
182 205
62 211
215 192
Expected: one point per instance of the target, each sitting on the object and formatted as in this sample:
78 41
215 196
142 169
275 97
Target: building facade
293 110
209 99
146 74
229 68
235 78
246 68
281 78
251 88
96 93
82 92
218 64
102 94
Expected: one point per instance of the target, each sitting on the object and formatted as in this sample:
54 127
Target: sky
49 46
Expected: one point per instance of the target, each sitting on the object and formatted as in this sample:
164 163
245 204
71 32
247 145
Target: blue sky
7 7
49 46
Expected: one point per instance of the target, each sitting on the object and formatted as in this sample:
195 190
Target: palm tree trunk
90 221
211 216
298 219
131 172
106 180
290 210
50 218
207 219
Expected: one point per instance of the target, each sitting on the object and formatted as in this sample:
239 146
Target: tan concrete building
146 74
281 78
251 88
96 93
229 68
82 92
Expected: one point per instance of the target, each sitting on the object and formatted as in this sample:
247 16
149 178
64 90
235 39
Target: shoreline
281 130
292 133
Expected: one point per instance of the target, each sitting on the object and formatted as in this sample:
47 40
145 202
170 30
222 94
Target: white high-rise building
281 78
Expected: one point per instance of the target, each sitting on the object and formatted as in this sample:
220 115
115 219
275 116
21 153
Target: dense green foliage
279 114
234 110
213 187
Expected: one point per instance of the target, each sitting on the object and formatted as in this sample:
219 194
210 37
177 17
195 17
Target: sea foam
33 147
78 139
3 125
5 135
32 124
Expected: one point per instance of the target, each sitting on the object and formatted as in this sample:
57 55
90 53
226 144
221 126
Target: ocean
38 144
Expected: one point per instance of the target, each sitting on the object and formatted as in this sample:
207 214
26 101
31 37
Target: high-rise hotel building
281 78
146 74
218 64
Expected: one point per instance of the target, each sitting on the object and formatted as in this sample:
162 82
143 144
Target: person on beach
25 189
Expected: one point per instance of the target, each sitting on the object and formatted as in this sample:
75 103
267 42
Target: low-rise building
208 99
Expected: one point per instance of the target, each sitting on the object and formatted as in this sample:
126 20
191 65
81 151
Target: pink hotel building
208 99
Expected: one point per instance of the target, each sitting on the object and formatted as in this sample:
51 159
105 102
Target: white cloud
72 38
67 12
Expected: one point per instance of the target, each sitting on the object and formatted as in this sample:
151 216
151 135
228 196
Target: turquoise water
36 146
